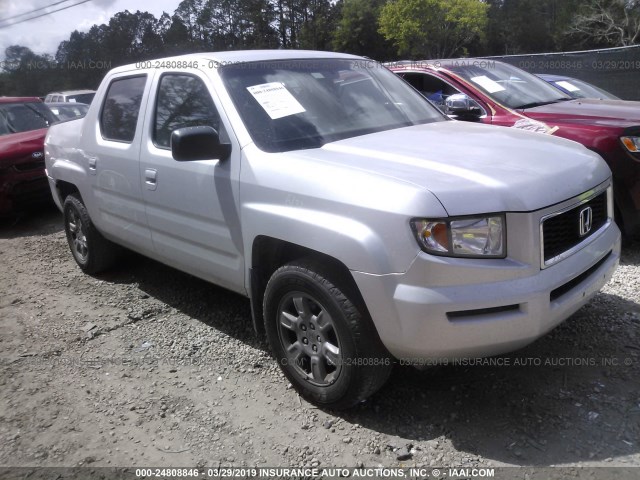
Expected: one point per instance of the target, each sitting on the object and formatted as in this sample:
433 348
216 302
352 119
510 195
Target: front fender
352 242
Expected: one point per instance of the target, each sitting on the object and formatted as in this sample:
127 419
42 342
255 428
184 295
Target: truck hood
597 112
473 168
21 145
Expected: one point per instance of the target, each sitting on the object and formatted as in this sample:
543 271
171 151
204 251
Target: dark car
576 88
68 110
23 126
488 91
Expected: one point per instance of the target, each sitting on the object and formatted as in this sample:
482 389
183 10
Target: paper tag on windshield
533 126
276 100
567 86
488 84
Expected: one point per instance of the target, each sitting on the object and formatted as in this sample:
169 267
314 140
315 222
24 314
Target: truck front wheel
326 346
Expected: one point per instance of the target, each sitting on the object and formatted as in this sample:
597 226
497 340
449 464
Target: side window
119 115
183 101
434 89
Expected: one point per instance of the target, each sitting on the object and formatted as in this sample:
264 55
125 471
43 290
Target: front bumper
22 190
448 308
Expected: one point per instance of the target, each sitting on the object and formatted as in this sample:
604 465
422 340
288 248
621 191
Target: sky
44 34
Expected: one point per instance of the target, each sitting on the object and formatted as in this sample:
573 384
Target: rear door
192 207
111 156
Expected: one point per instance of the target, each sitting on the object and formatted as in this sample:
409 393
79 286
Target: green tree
357 30
238 24
260 17
131 37
190 14
27 73
529 26
175 35
304 23
433 28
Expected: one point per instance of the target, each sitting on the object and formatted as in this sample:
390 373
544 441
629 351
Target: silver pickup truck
362 224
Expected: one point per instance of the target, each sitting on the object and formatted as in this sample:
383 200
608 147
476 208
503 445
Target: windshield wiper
540 104
39 114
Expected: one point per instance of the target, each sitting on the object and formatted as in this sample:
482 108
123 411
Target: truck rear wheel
92 252
327 347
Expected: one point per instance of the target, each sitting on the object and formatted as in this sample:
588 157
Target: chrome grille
561 232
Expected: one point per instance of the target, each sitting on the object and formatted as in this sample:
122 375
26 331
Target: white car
73 96
68 110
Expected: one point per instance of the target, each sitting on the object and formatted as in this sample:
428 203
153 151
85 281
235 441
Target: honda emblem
586 221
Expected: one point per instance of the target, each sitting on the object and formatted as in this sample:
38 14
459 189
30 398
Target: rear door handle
150 178
93 164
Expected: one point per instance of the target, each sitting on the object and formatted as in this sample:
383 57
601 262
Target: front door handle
151 178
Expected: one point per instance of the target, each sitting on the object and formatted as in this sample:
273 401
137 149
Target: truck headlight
475 237
632 143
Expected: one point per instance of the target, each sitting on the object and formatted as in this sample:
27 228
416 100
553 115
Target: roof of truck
241 56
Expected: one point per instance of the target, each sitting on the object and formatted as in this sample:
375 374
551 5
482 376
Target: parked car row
23 125
500 94
577 88
363 224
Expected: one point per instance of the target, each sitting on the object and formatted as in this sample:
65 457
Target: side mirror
460 105
198 143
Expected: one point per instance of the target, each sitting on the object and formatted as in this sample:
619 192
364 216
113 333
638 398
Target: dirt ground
146 366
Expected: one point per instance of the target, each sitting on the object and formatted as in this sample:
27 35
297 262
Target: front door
192 207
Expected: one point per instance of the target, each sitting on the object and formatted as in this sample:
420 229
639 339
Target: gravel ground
146 366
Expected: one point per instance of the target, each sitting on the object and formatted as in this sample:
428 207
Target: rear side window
121 107
183 101
81 98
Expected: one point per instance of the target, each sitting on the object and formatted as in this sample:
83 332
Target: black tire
345 362
92 252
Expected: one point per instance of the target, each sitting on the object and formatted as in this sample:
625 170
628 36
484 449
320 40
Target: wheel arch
269 253
64 189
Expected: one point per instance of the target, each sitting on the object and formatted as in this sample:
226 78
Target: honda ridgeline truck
361 222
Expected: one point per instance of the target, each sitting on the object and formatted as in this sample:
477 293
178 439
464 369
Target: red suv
488 91
23 126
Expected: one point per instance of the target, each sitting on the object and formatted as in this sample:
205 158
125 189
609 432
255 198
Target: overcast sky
44 34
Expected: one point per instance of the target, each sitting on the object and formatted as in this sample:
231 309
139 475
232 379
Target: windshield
23 117
69 110
506 84
579 89
299 104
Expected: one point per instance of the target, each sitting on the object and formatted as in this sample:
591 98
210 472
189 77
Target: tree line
379 29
